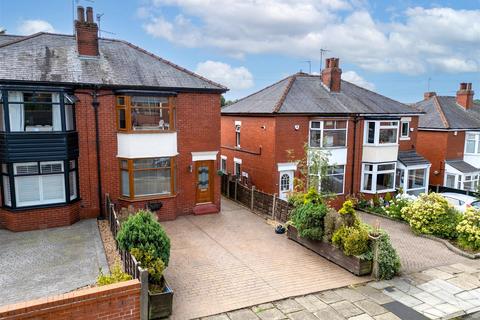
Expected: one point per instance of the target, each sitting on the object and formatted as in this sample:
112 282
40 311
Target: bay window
147 177
145 113
381 132
33 111
472 143
378 177
28 184
328 134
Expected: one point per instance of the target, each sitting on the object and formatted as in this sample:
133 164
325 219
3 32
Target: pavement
445 292
233 259
41 263
416 253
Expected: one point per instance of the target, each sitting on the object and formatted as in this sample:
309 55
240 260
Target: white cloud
28 27
233 78
355 78
426 39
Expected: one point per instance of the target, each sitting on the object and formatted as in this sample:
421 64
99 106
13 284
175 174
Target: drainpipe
96 105
355 120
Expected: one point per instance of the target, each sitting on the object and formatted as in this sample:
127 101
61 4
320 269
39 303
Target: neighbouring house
83 116
449 137
370 138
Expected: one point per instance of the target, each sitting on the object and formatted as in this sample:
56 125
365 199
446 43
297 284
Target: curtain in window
56 115
16 111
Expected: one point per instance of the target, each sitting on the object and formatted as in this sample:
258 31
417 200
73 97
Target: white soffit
288 166
204 155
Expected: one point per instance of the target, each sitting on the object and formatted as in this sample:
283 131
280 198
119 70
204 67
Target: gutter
355 121
96 105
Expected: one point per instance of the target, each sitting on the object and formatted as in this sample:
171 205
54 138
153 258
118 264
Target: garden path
416 253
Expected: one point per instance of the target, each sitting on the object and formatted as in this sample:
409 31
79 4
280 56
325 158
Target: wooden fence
130 264
266 204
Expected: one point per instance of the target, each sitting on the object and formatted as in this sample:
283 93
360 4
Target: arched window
285 182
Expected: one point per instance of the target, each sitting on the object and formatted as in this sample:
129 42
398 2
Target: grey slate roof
443 112
54 58
5 38
303 93
462 166
411 158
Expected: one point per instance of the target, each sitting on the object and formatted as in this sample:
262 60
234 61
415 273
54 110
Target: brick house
370 138
449 137
82 116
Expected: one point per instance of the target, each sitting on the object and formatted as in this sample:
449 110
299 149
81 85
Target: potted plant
146 240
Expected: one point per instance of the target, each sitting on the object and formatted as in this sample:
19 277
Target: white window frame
379 127
476 141
375 173
40 186
405 175
407 122
222 167
322 129
473 178
237 135
235 162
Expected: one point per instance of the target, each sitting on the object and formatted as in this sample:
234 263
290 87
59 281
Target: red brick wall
198 129
432 145
261 168
33 219
87 38
405 145
119 301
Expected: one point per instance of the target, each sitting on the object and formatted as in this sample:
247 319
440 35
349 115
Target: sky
397 48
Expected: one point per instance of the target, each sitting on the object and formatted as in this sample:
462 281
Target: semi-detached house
82 116
449 137
371 139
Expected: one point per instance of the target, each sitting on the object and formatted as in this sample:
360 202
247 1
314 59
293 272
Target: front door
285 184
204 180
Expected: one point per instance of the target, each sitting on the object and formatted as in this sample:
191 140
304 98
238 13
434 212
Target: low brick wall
116 301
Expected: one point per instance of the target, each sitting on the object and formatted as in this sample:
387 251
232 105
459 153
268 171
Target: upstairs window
405 130
237 135
40 111
381 132
145 113
472 143
328 134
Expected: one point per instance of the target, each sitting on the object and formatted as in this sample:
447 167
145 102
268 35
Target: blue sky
392 47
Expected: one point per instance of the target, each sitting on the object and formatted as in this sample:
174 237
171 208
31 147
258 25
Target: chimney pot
463 86
89 14
428 95
469 86
80 14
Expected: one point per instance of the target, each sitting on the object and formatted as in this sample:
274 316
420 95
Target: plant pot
160 303
353 264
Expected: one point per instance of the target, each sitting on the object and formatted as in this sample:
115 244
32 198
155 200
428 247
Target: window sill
380 144
147 198
378 191
145 131
328 148
41 206
404 138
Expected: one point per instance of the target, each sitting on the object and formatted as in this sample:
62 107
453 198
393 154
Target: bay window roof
411 158
462 166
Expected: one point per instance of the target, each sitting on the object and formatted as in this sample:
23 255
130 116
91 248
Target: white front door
285 184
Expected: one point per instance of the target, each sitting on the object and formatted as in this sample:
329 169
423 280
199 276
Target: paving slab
48 262
234 259
302 315
329 296
311 303
271 314
243 314
346 309
288 306
370 307
328 314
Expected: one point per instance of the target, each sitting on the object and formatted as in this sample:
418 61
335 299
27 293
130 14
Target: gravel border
109 244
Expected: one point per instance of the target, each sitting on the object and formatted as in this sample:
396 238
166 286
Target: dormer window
145 113
32 111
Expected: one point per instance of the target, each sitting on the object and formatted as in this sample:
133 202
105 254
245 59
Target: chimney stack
332 74
86 32
465 95
428 95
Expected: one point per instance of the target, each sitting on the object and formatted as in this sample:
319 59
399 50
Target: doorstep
205 208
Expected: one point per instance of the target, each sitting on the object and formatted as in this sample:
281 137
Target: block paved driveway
42 263
234 259
416 253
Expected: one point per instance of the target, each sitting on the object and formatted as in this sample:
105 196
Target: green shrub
348 214
308 219
394 210
356 242
388 259
312 196
469 229
142 231
388 197
339 236
155 266
296 199
331 223
432 214
116 275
